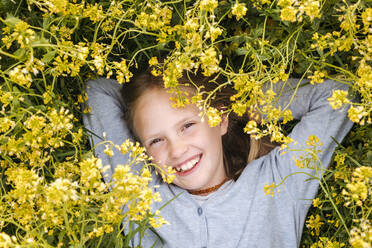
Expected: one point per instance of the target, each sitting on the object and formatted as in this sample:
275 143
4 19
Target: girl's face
178 138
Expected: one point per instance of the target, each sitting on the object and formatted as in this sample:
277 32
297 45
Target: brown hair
238 147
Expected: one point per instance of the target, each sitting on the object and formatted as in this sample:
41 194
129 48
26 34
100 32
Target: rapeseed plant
53 193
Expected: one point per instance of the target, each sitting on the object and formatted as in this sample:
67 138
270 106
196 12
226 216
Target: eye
188 125
155 141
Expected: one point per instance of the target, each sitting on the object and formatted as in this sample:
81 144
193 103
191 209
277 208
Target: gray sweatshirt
239 214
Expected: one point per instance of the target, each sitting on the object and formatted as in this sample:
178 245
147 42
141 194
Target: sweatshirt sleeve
311 107
106 117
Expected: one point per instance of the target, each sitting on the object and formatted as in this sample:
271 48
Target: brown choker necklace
208 190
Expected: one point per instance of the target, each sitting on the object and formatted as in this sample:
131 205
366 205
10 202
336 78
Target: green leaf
20 53
241 51
11 20
49 56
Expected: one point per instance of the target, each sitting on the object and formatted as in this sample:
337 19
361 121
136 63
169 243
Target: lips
189 166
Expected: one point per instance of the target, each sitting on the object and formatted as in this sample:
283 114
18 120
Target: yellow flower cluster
259 3
358 189
269 189
169 175
340 159
76 188
338 98
357 114
208 5
7 241
293 10
209 61
57 191
325 242
154 17
314 223
22 34
361 237
157 221
239 10
214 116
251 127
90 175
66 57
352 35
123 74
61 191
42 131
317 203
318 77
310 158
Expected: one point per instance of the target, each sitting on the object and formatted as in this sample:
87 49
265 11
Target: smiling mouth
188 165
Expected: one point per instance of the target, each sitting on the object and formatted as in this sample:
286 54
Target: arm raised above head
317 118
106 116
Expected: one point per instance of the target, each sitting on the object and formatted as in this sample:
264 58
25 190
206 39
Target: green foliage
50 48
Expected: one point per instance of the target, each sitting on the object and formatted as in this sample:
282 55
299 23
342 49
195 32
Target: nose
177 147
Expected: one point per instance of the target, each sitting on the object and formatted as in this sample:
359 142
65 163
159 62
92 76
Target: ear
224 124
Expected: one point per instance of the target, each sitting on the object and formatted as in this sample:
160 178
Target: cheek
211 135
158 155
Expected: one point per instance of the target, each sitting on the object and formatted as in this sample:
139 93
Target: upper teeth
188 165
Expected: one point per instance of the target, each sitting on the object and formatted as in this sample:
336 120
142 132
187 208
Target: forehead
154 114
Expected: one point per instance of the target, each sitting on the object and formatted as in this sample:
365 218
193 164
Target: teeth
188 165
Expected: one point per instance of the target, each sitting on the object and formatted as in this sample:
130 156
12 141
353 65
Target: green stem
68 228
335 207
9 55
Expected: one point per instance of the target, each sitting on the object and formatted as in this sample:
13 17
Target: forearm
105 117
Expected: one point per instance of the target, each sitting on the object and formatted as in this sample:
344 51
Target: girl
223 202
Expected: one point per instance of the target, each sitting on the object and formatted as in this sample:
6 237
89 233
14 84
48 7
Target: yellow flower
214 116
108 151
317 203
324 242
314 223
318 77
357 114
239 10
251 127
340 159
21 76
313 141
209 61
208 5
312 9
358 189
6 98
269 189
289 14
153 61
7 241
287 116
213 33
285 3
169 175
123 73
363 173
94 12
300 163
367 19
6 124
60 191
239 108
361 237
338 98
